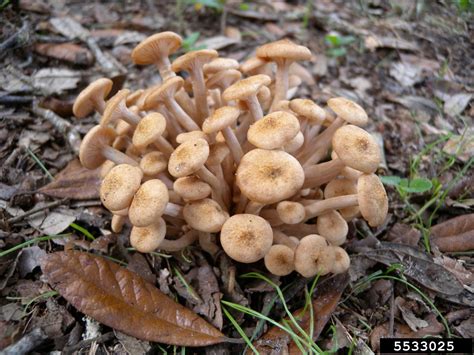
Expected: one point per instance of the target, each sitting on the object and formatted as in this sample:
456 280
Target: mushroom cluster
222 155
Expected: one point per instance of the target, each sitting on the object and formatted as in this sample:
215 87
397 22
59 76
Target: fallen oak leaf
69 52
124 301
455 234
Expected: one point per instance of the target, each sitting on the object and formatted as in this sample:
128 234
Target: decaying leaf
69 52
456 234
461 146
74 182
124 301
55 80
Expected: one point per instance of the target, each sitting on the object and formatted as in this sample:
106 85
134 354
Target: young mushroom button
341 261
191 188
310 258
148 239
119 186
280 260
333 227
205 215
274 130
92 98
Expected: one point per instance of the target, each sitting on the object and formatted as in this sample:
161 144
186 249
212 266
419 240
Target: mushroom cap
307 253
154 48
113 109
373 201
194 59
252 64
84 103
90 152
291 212
149 129
348 110
106 167
123 128
341 187
117 222
119 186
166 90
356 148
192 135
218 152
246 238
221 118
295 143
283 49
188 157
133 97
308 109
223 79
333 227
273 130
220 64
148 239
269 176
341 261
283 105
264 96
245 88
280 260
149 203
153 163
205 215
191 188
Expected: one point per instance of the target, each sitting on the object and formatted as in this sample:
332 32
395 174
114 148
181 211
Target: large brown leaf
74 182
124 301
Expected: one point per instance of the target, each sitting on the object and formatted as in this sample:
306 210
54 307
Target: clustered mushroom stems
230 160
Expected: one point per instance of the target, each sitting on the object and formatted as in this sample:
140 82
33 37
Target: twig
21 36
26 344
84 343
13 100
36 210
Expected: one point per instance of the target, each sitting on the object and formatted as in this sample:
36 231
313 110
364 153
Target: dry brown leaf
124 301
455 234
74 182
69 52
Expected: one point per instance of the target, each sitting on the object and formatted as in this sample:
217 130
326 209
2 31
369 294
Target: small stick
84 343
36 210
26 344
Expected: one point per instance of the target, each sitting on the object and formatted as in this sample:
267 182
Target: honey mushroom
313 256
150 130
92 98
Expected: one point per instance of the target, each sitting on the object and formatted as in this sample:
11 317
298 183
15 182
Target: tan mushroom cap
310 256
221 118
188 157
333 227
356 148
283 50
348 110
269 176
205 215
84 103
291 212
244 88
308 109
112 109
280 260
220 64
273 130
341 187
153 48
226 76
373 201
191 188
149 129
251 65
246 238
149 203
188 61
119 186
341 261
148 239
168 88
153 163
123 128
90 152
189 136
134 97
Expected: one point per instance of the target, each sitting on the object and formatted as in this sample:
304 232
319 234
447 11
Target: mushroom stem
233 144
329 204
99 105
205 175
298 230
117 156
166 180
254 107
207 243
200 94
281 238
164 67
173 210
183 99
281 82
254 208
271 215
317 175
164 146
183 118
182 242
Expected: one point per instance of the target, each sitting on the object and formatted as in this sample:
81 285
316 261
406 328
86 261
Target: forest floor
408 63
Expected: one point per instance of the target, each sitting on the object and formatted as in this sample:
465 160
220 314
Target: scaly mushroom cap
90 152
149 203
341 261
280 260
220 64
190 136
291 212
148 239
221 118
205 215
373 201
188 157
341 187
246 238
119 186
356 148
269 176
349 111
308 109
307 254
273 130
113 109
191 188
333 227
167 89
283 50
155 47
153 163
193 59
84 103
149 129
244 88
